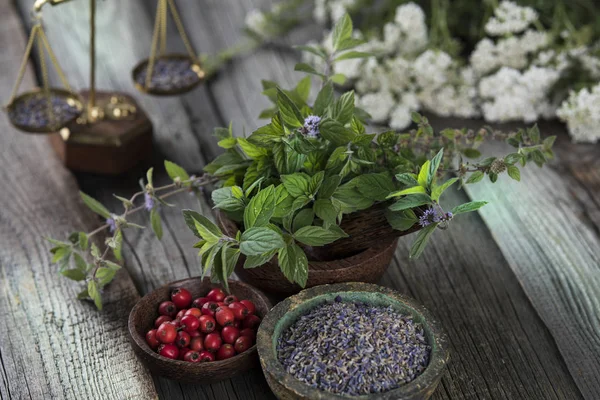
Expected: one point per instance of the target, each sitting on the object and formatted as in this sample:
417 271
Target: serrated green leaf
149 175
433 167
260 209
375 186
288 110
352 54
411 201
471 153
104 275
475 177
80 262
343 109
421 241
325 210
156 223
118 245
294 264
257 261
339 79
303 218
207 227
95 251
257 241
175 171
309 69
312 49
514 172
227 143
317 236
94 294
468 207
401 220
329 186
423 176
341 31
407 179
335 132
296 184
315 182
512 158
283 202
324 99
83 241
251 150
95 205
411 190
437 191
74 274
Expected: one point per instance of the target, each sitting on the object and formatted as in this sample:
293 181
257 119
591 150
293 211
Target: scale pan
173 74
29 111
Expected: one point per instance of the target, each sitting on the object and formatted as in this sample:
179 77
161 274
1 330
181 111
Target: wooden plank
547 229
51 345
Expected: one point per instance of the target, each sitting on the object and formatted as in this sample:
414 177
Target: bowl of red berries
194 331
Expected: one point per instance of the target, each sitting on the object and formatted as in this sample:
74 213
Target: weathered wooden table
517 286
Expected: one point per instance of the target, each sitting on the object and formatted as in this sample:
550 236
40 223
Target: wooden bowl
367 266
141 320
284 314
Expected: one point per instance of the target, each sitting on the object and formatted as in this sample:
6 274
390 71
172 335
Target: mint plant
290 183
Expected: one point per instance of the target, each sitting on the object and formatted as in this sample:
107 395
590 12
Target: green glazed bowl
286 387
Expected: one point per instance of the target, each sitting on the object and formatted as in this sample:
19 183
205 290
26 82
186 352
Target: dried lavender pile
354 348
169 74
39 111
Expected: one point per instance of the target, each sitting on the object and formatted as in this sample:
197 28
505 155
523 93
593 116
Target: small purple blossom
449 215
429 216
148 201
112 224
311 126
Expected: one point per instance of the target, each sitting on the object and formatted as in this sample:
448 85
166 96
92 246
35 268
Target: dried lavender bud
354 348
169 74
39 111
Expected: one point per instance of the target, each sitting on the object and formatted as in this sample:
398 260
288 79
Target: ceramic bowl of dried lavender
352 340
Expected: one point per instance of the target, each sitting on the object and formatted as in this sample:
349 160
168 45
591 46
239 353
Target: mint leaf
74 274
342 31
324 99
309 69
288 110
343 109
437 191
296 184
352 54
317 236
94 294
335 132
283 202
433 167
95 205
325 210
260 209
468 207
315 182
303 218
329 186
251 150
257 261
423 177
407 179
257 241
194 220
421 241
475 177
411 190
471 153
175 171
401 220
294 264
375 186
514 172
156 223
411 201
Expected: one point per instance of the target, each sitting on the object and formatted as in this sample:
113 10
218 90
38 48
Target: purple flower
429 216
148 201
112 224
311 126
449 215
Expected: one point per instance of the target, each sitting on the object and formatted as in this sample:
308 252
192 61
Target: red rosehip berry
197 343
166 333
161 319
224 316
242 344
221 304
212 342
230 299
169 350
194 311
183 351
176 323
251 321
229 334
206 356
180 314
239 310
237 323
216 295
207 324
251 333
250 306
189 323
209 308
196 334
181 297
192 356
152 340
183 339
226 351
199 302
167 308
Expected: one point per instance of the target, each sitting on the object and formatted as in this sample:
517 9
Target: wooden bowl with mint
352 340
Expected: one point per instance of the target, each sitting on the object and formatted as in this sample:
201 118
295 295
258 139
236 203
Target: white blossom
581 112
509 17
373 77
377 104
400 117
256 22
431 69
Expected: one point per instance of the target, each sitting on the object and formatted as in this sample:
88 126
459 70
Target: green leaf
95 205
149 176
118 245
294 264
468 207
493 177
475 177
324 99
344 108
341 31
325 210
349 43
352 54
61 253
317 236
296 184
303 218
105 275
512 158
95 251
74 274
433 167
260 209
514 172
257 261
206 226
437 191
315 182
411 190
175 171
411 201
416 117
338 79
335 132
421 241
83 241
94 294
401 220
237 192
375 186
227 143
471 153
83 295
300 202
423 177
288 110
312 49
80 262
257 241
283 202
251 150
534 134
329 186
407 179
303 88
549 142
156 223
309 69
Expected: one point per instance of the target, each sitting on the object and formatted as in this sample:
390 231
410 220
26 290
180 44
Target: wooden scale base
110 145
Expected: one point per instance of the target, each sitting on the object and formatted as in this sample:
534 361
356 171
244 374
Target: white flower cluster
581 112
331 10
509 18
256 22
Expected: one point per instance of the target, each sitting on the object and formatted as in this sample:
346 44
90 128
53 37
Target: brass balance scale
96 131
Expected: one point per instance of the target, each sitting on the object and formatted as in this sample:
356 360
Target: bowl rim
140 341
168 92
440 354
